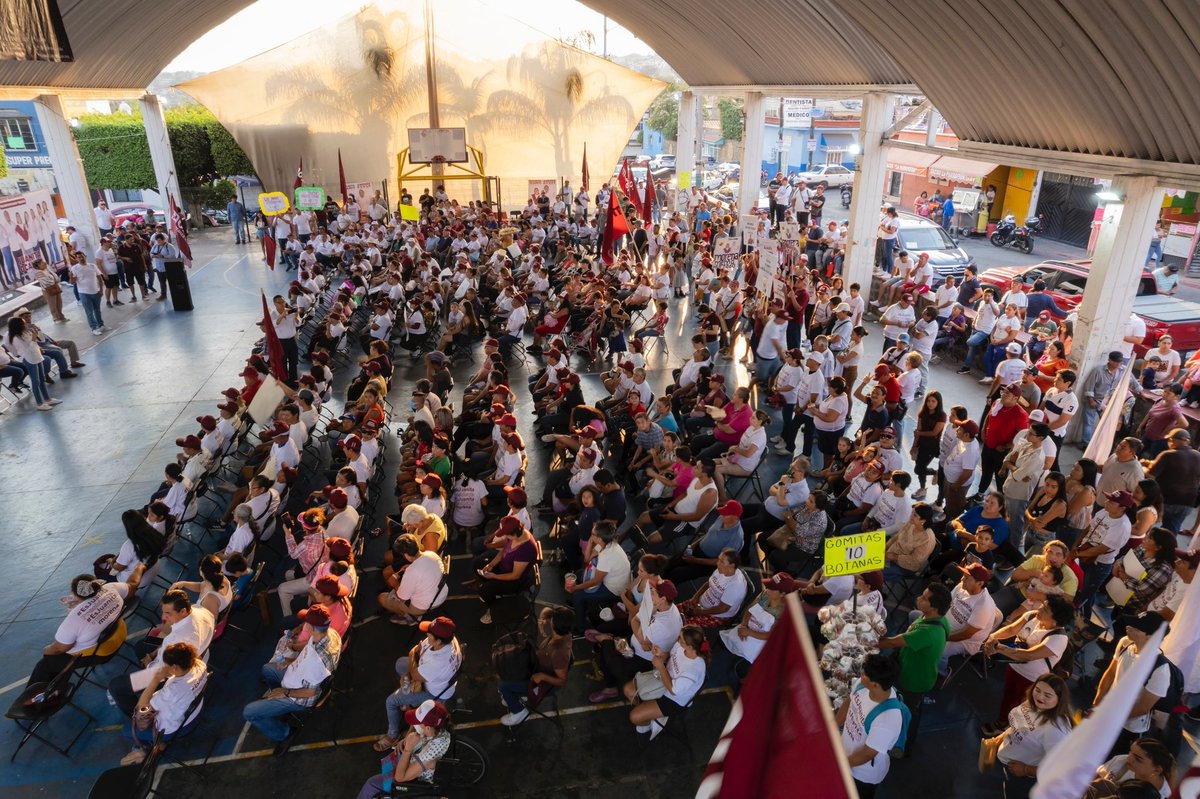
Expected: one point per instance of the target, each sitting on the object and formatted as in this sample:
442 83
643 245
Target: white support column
933 122
68 168
686 141
1116 270
752 151
160 152
877 112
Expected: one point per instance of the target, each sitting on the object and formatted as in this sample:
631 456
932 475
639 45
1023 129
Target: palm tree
551 96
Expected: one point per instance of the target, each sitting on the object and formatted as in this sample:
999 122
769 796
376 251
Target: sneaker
45 406
642 728
985 380
964 370
17 389
97 332
657 726
607 695
486 618
919 494
781 449
53 401
117 302
513 719
78 364
776 439
49 380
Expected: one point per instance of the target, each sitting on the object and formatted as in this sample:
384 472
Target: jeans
513 692
267 714
585 601
765 368
1094 576
37 380
889 249
1174 516
400 699
1155 253
91 307
1016 521
1091 418
974 345
53 354
14 373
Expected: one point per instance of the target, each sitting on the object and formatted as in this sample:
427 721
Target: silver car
918 235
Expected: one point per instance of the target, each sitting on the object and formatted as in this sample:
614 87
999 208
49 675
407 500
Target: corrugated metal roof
121 43
1101 77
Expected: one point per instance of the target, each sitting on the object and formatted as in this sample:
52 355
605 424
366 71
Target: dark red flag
299 175
647 210
615 227
584 183
269 242
273 347
342 178
626 181
179 230
781 728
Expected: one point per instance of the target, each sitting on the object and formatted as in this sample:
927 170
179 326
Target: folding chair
753 480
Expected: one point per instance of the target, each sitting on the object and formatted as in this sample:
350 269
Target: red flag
299 175
274 348
626 181
269 241
342 178
179 230
615 227
586 177
647 209
780 726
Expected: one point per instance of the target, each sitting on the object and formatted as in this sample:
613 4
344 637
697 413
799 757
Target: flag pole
799 622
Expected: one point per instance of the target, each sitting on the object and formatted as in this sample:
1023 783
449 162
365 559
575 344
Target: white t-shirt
773 331
1028 740
1002 327
896 320
437 668
1032 634
87 620
1171 596
946 297
891 511
1015 297
882 737
468 512
749 648
687 675
729 590
834 402
176 695
660 629
1158 684
751 438
85 278
419 585
977 611
1135 326
789 376
963 458
1010 370
1059 403
923 343
614 562
1112 533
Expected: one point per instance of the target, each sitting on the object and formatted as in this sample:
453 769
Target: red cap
228 407
338 498
977 571
434 481
441 627
191 442
882 371
430 713
207 423
517 495
971 428
491 342
717 379
514 440
782 582
331 586
320 357
232 393
351 442
339 548
249 371
1122 498
316 615
278 430
370 426
667 590
730 508
509 525
507 420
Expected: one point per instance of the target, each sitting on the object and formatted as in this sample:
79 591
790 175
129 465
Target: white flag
1182 644
1066 770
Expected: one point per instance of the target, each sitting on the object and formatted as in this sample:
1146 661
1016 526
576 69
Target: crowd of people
677 534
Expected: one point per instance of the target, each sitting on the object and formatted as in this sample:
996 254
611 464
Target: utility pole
431 75
605 46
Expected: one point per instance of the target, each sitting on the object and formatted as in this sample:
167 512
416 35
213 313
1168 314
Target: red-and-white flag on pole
781 728
273 347
616 226
179 230
299 175
586 180
269 244
647 210
342 178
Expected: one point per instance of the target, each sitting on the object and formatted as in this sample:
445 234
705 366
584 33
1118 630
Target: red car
1065 282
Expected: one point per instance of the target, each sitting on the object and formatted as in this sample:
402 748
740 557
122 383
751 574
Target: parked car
826 175
713 180
662 161
138 212
1066 281
918 235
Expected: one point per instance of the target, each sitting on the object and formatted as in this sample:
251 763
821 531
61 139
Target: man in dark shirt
613 504
968 291
1177 471
1037 301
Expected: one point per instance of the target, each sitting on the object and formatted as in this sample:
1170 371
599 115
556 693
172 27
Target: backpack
891 703
512 656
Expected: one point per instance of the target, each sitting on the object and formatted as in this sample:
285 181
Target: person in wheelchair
415 756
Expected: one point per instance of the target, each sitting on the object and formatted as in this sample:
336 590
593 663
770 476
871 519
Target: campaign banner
28 232
273 203
547 185
310 198
361 193
768 266
789 231
725 254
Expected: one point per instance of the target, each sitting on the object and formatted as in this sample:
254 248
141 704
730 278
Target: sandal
384 744
375 533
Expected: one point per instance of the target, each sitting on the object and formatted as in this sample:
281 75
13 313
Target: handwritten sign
855 554
273 203
310 198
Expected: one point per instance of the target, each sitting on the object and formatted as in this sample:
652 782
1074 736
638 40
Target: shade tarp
960 170
910 162
528 103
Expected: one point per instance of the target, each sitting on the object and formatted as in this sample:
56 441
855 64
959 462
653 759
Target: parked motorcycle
846 192
1020 237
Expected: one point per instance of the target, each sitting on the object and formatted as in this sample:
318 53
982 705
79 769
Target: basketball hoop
438 159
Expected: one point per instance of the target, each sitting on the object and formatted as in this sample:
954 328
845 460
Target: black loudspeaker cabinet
177 282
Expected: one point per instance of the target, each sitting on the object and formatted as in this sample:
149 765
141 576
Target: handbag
53 290
143 718
781 539
649 685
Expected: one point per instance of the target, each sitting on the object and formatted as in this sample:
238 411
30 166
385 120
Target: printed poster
28 232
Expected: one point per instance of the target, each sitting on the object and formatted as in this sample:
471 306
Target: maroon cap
320 357
228 407
338 498
191 442
308 380
434 481
717 379
516 495
331 586
249 371
971 428
507 420
316 615
351 442
509 525
667 590
1122 498
782 582
207 423
339 548
278 430
429 713
231 393
977 571
441 627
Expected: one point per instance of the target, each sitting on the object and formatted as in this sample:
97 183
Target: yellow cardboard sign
685 180
273 203
410 213
855 554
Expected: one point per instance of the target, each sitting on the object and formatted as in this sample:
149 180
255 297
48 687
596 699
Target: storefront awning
838 141
909 162
959 170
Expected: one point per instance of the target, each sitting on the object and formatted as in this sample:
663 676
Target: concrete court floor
66 476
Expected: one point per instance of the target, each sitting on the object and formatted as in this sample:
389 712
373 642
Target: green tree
227 155
733 122
187 128
114 151
664 113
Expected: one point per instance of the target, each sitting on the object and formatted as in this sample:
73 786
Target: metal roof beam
901 123
1170 175
817 91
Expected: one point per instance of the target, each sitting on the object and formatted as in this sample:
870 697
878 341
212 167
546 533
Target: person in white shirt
428 672
422 587
871 721
891 510
772 343
986 314
676 676
171 695
95 605
1097 548
300 680
104 219
1137 635
743 459
973 614
896 319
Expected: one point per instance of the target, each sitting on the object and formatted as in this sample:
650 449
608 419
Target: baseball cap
249 371
331 586
977 571
1013 388
903 337
881 371
207 423
351 442
430 713
338 498
437 356
1122 498
190 442
317 616
1116 356
231 393
228 407
667 590
517 495
339 548
1147 623
434 481
730 508
1037 415
1179 434
717 378
1013 349
441 627
509 525
782 582
971 428
843 308
507 420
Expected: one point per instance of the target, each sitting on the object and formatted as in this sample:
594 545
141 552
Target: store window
18 134
895 182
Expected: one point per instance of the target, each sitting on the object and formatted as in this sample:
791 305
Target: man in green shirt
921 647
